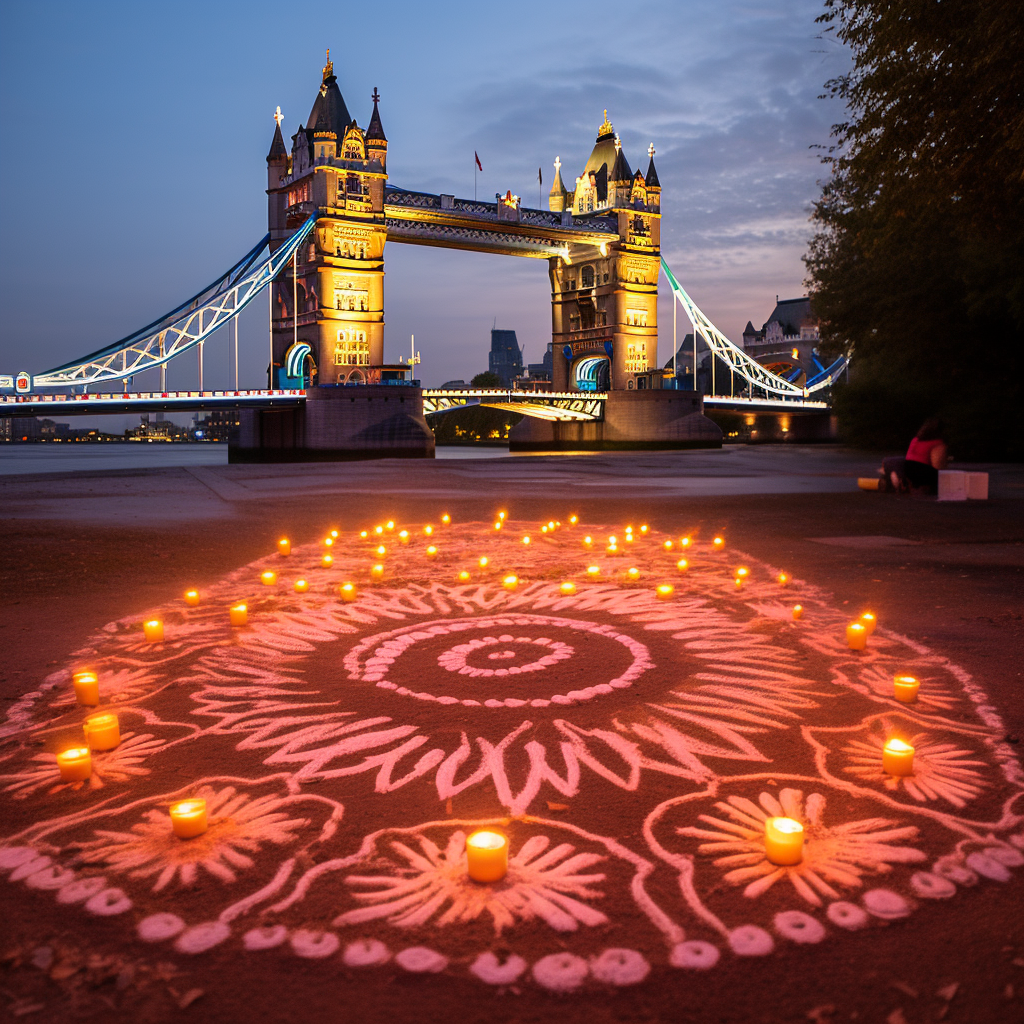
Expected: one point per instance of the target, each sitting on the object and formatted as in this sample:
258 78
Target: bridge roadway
574 405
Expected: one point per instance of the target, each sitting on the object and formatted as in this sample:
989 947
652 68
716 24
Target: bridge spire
329 66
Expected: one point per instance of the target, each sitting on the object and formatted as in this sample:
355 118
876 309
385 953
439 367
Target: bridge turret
558 196
277 171
376 140
652 183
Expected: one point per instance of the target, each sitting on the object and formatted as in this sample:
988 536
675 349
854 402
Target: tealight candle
510 582
897 758
684 542
664 591
783 841
463 576
327 561
497 525
87 688
238 614
284 546
526 540
588 540
431 552
378 530
102 732
573 520
381 551
593 570
188 818
502 515
682 565
904 688
868 621
446 519
404 537
428 531
487 856
268 578
568 589
377 571
718 543
742 572
783 579
347 591
328 542
739 582
668 545
543 529
154 630
644 528
389 525
364 534
192 598
613 549
633 572
483 561
856 636
75 764
334 534
301 586
798 611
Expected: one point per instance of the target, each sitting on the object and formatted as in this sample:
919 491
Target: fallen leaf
948 991
189 998
557 807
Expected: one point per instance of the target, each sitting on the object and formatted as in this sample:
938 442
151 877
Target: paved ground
89 549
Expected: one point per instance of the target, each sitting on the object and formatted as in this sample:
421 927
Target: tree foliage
917 262
487 379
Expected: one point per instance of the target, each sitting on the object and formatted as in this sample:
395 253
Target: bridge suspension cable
739 362
185 326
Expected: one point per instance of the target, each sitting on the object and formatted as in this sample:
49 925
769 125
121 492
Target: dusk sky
135 138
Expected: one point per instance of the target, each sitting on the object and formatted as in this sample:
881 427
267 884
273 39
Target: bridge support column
633 421
337 424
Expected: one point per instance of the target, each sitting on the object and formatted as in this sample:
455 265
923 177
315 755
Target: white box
952 485
977 486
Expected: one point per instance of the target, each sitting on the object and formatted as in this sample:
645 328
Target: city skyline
732 125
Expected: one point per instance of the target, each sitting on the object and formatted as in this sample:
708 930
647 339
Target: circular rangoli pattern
631 743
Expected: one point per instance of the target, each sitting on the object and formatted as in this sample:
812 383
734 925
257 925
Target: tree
917 262
486 380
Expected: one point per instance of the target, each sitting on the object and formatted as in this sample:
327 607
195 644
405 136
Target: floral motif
834 856
239 826
117 686
941 770
431 884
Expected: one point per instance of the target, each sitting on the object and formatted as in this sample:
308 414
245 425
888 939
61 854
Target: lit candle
718 543
483 561
428 531
742 572
644 528
464 576
268 578
381 551
347 591
431 552
301 586
334 534
497 524
543 529
668 545
377 571
510 582
856 636
798 610
364 534
526 540
573 520
327 561
188 818
904 688
897 758
390 524
284 546
629 538
502 515
588 540
633 572
487 856
613 549
192 598
613 540
102 732
739 582
868 621
378 530
238 614
568 589
664 591
446 519
328 542
404 536
684 542
784 841
682 565
593 570
87 688
154 630
783 579
75 764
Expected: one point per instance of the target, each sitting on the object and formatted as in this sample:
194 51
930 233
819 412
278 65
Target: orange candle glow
404 537
567 589
897 758
644 528
192 598
334 534
381 551
593 570
510 582
102 732
868 621
328 542
464 576
588 540
238 614
284 546
633 572
154 630
428 531
668 545
377 571
784 841
573 520
483 561
718 543
487 856
798 611
87 688
389 525
378 530
431 552
526 540
301 586
446 519
188 818
905 688
497 524
75 764
268 578
364 534
502 516
682 565
684 542
856 636
327 561
783 579
347 591
664 591
742 572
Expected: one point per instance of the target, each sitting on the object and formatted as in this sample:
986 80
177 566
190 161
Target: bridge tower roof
375 130
602 158
329 113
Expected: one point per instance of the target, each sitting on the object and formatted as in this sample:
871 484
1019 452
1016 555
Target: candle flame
446 519
484 561
464 575
906 679
240 608
510 581
153 622
682 564
334 533
573 520
189 807
486 840
593 569
788 825
526 540
431 550
568 588
897 746
73 753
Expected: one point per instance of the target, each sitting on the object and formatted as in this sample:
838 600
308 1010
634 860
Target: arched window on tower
587 275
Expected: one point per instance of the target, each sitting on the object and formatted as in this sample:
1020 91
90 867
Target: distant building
787 343
506 357
542 371
217 426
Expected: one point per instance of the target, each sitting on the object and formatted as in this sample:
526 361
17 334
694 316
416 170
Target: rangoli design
630 742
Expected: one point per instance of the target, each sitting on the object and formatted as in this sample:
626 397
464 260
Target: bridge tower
327 316
604 307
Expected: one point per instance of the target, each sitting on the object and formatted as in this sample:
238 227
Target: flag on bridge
540 180
479 165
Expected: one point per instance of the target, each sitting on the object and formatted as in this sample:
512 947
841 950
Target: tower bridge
331 212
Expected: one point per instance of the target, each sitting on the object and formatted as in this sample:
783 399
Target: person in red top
919 469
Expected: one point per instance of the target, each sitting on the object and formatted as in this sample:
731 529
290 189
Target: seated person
919 469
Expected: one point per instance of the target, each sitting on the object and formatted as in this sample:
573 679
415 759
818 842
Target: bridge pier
338 423
633 421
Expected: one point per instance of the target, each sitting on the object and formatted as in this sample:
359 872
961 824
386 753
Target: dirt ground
84 550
